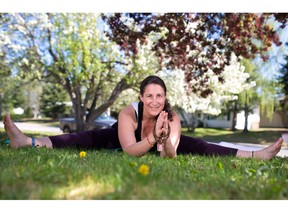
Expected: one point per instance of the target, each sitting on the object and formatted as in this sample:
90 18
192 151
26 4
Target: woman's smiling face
153 99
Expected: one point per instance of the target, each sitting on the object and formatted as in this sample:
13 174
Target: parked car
68 125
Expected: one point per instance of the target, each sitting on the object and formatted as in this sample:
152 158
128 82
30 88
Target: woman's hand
165 145
161 127
167 134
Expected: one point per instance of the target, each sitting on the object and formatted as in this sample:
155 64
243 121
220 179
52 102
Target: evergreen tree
53 101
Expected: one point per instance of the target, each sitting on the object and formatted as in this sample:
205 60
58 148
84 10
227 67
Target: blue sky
271 68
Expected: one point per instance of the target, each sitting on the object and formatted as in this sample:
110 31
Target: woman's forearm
140 148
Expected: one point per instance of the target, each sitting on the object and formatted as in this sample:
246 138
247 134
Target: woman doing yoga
149 125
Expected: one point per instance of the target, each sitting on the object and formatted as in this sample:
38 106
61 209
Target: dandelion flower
143 170
82 154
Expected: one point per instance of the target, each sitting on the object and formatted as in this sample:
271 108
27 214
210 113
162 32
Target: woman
150 125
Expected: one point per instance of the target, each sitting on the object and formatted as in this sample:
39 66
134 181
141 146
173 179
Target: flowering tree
197 43
236 82
70 49
95 68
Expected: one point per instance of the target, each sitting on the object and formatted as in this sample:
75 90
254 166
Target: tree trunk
1 107
121 86
80 116
234 118
193 122
246 113
184 119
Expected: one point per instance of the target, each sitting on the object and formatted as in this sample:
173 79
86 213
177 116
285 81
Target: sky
270 69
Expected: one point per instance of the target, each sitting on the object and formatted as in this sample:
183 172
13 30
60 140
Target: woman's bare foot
270 151
17 138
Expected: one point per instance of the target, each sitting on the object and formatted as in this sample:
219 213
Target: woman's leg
95 139
263 154
190 145
105 138
18 139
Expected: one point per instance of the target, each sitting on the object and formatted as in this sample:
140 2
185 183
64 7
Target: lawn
263 136
32 174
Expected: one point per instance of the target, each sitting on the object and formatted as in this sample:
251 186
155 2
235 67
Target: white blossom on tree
235 82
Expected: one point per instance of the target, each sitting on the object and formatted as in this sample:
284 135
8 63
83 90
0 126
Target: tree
283 81
196 43
248 99
69 49
200 45
4 77
5 71
262 94
53 101
236 82
283 77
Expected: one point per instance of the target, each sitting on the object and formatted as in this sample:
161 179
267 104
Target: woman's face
153 99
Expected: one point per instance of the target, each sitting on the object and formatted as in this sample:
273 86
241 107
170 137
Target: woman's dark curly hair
157 80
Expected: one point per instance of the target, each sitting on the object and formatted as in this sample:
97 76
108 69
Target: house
224 120
279 120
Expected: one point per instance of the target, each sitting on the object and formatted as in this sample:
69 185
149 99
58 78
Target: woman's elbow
127 151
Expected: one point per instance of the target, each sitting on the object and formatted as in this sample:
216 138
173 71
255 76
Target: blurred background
222 70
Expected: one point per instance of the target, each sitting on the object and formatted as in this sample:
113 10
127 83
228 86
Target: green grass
29 174
262 136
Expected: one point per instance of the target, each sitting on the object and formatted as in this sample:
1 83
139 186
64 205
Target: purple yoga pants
108 139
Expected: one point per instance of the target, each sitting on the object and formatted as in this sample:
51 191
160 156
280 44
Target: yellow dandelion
143 170
82 154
